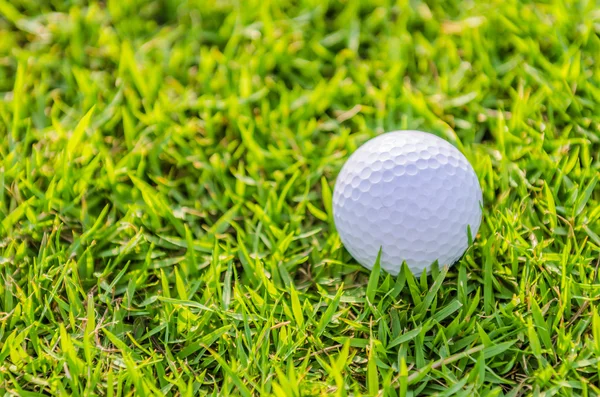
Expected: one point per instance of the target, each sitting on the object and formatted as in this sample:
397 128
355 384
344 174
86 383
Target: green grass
166 171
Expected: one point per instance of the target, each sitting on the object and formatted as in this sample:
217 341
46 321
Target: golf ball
413 195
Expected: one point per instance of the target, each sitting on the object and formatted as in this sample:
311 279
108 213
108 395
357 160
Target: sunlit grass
166 171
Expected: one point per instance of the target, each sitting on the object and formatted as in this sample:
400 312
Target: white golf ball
413 195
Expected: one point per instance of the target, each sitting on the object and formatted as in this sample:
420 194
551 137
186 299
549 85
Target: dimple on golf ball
413 195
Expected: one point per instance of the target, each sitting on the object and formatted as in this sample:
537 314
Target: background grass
165 191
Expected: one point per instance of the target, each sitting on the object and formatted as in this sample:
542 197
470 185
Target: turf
165 196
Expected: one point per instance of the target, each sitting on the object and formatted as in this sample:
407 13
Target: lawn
166 173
